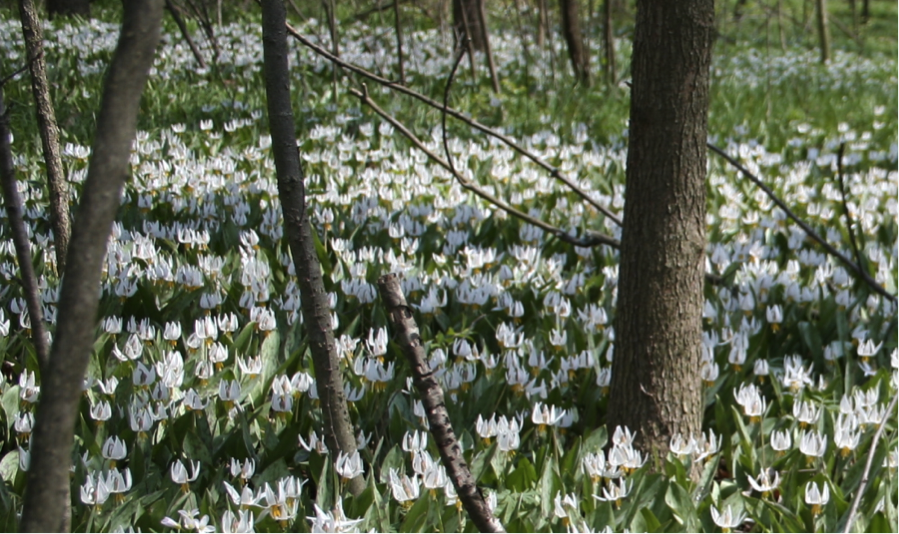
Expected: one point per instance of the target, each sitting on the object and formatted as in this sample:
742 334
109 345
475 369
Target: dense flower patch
200 405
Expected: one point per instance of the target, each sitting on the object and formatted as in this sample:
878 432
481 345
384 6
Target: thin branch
553 171
853 510
20 70
857 269
849 226
463 48
407 336
593 238
176 16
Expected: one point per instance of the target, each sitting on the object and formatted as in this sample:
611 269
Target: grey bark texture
656 389
338 428
46 120
48 481
407 336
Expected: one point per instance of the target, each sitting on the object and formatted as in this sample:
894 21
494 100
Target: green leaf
9 466
678 499
523 477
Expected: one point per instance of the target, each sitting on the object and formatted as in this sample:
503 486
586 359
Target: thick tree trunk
82 8
46 119
467 21
571 28
656 387
51 445
338 428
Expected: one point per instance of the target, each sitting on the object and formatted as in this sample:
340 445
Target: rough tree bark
338 428
409 340
577 52
46 120
51 444
656 388
65 8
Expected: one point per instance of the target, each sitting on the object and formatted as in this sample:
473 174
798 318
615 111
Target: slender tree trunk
46 120
485 35
608 42
399 41
823 30
542 23
467 21
13 203
338 428
65 8
656 388
577 52
51 444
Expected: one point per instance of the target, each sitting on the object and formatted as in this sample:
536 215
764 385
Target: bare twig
407 336
853 510
176 16
13 74
593 238
511 143
849 226
857 269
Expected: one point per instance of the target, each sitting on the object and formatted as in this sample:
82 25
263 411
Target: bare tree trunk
46 120
399 41
823 30
656 388
467 21
485 35
65 8
608 42
409 340
13 203
338 428
51 445
542 23
577 52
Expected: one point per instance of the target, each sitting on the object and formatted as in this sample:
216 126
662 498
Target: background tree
46 503
574 38
655 387
82 8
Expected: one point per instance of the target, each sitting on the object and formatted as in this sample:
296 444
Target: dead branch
511 143
407 336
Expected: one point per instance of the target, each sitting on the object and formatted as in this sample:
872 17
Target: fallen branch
853 510
857 269
553 171
407 336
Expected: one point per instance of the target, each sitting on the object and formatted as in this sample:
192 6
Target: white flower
816 498
727 520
